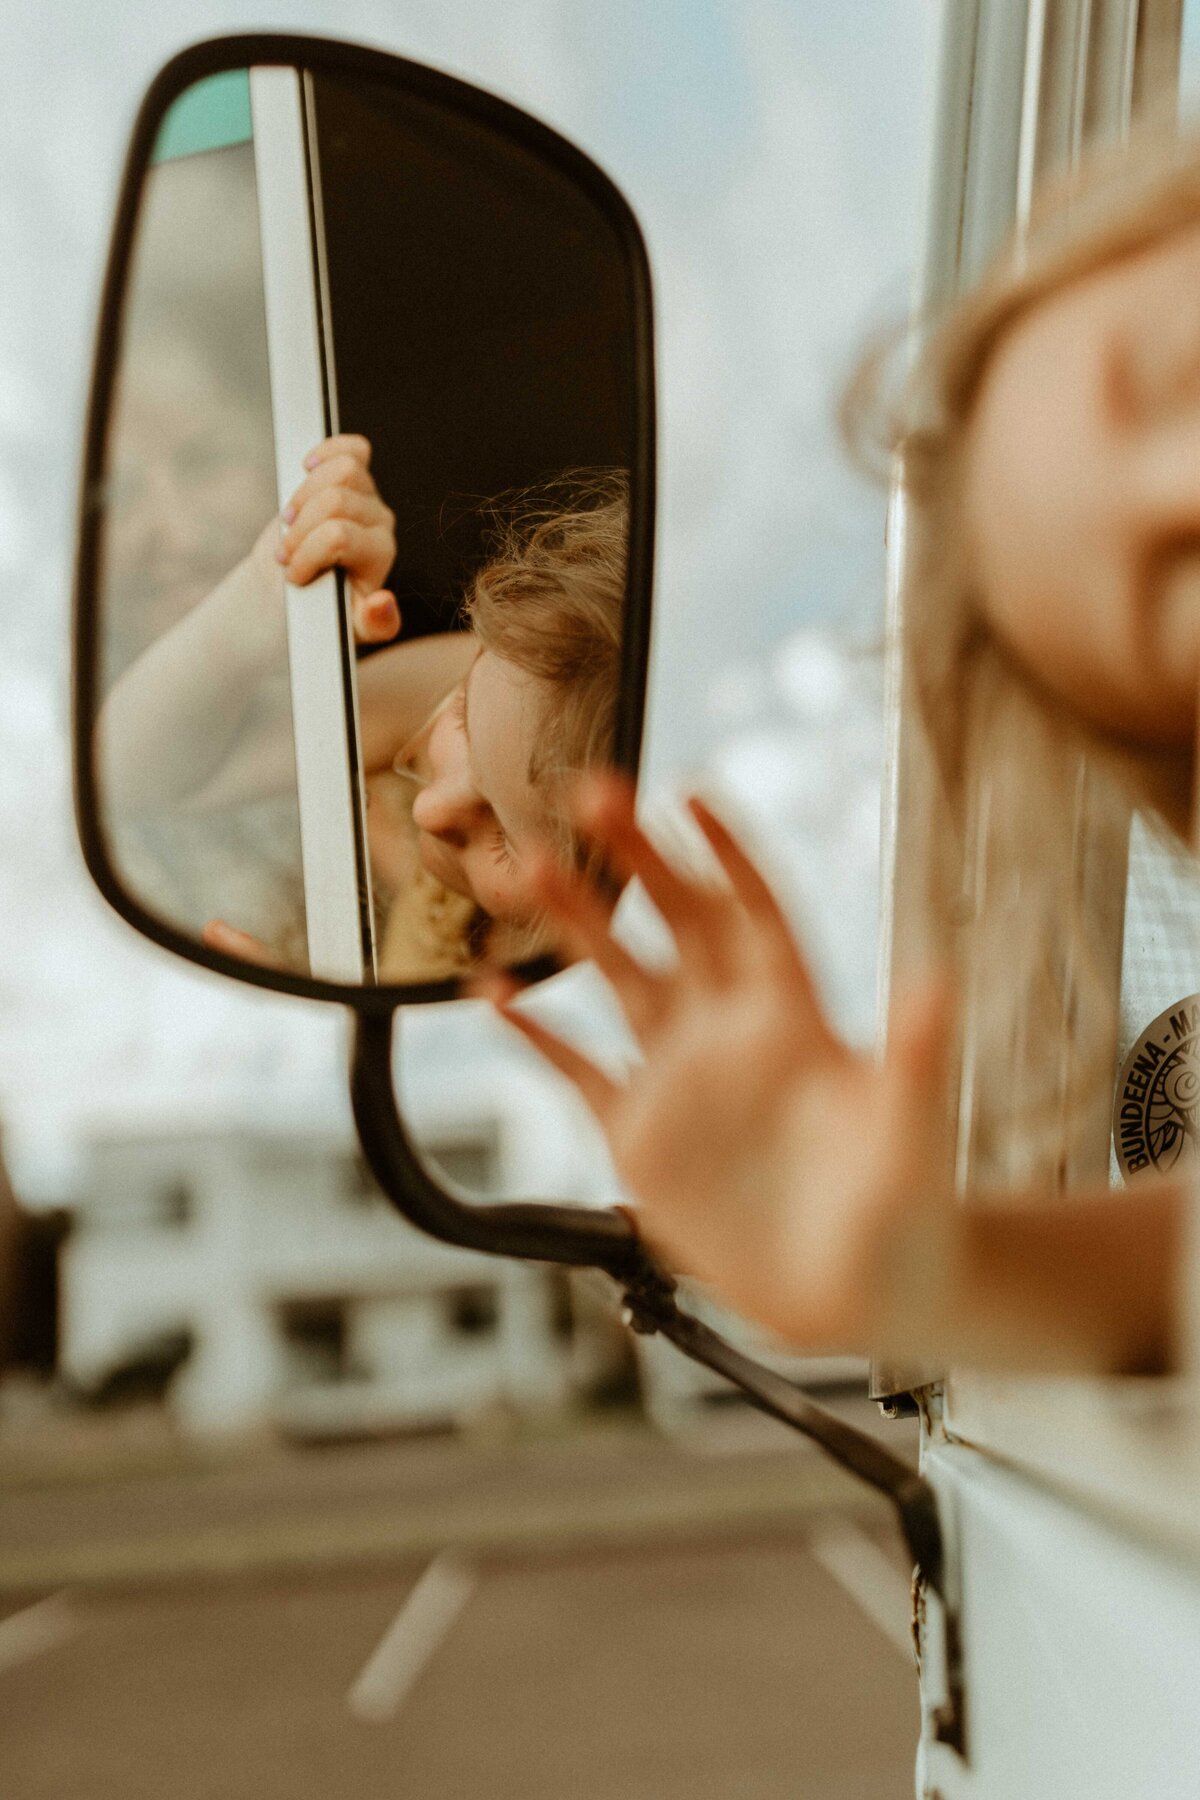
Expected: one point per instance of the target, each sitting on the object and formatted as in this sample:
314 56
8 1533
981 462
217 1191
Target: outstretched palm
770 1160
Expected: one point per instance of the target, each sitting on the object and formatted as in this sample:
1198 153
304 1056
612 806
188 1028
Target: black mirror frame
214 57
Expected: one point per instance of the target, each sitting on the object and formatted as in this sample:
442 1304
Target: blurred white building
268 1260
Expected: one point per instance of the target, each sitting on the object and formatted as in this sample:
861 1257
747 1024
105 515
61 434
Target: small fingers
320 536
339 473
584 919
363 551
763 911
376 617
333 501
697 913
598 1091
231 941
342 506
745 878
343 443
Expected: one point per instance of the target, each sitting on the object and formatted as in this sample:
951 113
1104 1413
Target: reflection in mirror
406 405
190 488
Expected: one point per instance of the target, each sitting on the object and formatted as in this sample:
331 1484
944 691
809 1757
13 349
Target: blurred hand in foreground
790 1173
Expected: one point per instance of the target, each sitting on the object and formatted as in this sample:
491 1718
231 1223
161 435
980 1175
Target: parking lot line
413 1638
37 1628
872 1581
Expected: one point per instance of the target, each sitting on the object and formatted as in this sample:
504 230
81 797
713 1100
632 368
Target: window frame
322 676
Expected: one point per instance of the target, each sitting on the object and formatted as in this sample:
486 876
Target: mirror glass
363 524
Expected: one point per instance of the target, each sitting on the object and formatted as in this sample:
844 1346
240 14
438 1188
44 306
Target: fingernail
311 460
281 554
288 514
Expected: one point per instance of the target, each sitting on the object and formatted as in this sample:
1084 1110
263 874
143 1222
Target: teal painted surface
211 115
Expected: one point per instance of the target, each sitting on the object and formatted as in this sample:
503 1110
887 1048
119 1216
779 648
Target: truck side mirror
360 314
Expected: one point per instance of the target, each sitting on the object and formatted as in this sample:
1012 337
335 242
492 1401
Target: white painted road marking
412 1639
35 1629
870 1578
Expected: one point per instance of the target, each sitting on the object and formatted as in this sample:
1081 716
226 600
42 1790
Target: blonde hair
550 601
1029 805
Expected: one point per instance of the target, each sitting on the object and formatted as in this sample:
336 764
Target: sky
775 152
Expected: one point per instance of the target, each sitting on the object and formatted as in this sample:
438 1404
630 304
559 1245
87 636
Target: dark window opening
315 1335
474 1311
174 1203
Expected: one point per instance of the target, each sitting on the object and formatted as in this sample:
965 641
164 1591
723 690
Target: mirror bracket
912 1498
606 1239
578 1237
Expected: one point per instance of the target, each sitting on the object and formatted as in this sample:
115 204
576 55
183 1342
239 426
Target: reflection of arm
173 719
199 722
1082 1281
399 687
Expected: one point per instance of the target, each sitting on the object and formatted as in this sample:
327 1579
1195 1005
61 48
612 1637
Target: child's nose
443 810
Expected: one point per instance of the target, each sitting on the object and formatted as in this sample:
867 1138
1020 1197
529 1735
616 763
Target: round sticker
1156 1117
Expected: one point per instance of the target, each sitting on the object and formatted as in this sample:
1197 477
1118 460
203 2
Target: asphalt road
711 1641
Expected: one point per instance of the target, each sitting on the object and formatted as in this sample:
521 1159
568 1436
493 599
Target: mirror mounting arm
911 1495
912 1498
606 1239
580 1237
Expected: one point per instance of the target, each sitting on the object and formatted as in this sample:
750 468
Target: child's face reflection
1083 491
478 812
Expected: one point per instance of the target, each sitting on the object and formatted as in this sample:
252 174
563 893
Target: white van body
1071 1508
